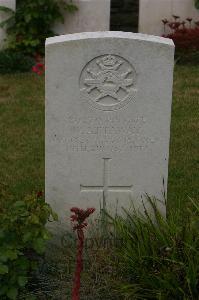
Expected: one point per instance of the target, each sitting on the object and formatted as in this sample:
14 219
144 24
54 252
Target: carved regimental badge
108 82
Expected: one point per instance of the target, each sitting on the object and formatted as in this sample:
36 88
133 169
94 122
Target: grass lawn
184 145
22 136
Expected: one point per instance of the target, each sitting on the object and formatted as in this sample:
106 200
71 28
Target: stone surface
151 12
108 109
92 15
3 16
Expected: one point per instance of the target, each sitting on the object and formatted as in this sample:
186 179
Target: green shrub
14 62
22 236
32 23
159 259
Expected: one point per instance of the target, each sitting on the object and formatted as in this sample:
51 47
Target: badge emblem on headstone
108 82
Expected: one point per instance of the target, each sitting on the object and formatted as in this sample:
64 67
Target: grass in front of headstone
150 258
139 257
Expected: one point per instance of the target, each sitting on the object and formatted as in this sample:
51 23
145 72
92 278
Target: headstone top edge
109 34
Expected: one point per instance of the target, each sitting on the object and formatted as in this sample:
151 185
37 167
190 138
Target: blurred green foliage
32 23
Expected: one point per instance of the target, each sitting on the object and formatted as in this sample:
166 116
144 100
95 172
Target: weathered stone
108 109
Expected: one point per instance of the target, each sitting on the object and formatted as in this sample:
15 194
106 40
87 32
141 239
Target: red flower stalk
79 219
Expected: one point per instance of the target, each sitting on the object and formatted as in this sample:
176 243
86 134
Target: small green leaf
3 258
27 236
34 219
3 290
39 245
1 233
55 216
11 254
22 281
12 293
31 297
19 204
46 235
3 269
24 214
28 18
3 24
23 263
70 7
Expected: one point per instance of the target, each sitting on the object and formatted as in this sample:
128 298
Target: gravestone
4 16
108 110
92 15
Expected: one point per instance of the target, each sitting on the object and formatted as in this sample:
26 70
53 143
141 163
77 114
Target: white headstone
151 13
92 15
4 16
108 110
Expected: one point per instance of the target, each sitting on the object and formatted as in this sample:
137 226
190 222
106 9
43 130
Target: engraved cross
106 188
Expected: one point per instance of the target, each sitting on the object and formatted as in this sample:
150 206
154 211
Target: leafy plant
22 237
32 23
14 62
159 259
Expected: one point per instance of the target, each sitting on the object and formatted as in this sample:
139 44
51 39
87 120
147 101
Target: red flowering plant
79 223
39 67
185 35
